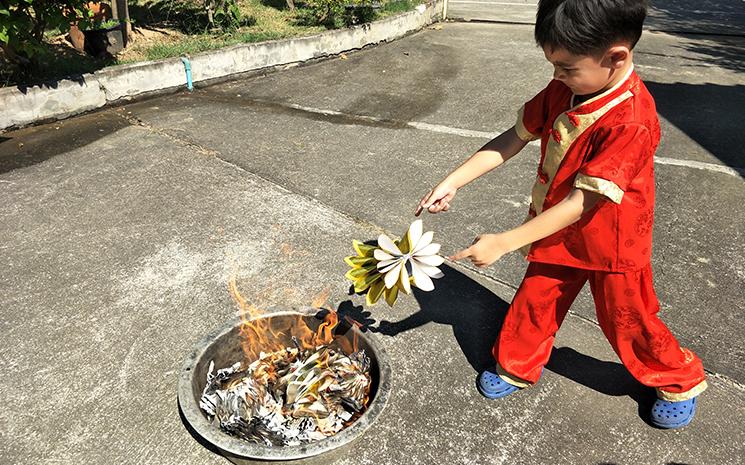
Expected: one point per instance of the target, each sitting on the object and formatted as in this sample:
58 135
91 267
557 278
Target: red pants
626 307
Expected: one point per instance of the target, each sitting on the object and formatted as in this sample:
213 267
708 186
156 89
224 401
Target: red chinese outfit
605 145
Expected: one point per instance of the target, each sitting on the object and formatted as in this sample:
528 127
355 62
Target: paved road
121 228
725 17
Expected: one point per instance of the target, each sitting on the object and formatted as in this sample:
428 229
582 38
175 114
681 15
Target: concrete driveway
121 228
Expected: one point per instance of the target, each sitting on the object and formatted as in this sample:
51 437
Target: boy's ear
617 56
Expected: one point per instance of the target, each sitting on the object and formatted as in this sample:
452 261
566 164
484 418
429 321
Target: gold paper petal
357 261
404 282
375 291
414 234
404 245
357 273
363 283
363 250
391 295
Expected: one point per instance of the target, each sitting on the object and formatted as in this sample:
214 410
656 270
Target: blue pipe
187 67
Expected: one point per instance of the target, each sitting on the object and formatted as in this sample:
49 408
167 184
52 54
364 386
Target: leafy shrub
23 22
336 13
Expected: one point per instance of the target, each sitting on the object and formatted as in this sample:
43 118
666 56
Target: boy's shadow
609 378
476 315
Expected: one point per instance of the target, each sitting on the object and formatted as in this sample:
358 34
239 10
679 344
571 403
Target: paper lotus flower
393 266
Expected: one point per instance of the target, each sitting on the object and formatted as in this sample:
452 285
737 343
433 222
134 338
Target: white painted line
700 165
660 160
448 130
439 128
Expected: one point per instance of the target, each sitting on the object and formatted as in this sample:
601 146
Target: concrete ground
121 228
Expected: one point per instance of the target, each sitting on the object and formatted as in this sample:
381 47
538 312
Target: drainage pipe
187 67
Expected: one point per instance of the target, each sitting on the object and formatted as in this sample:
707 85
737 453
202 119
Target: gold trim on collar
604 94
563 136
521 130
599 185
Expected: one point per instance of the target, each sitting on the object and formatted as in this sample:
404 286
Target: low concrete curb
24 106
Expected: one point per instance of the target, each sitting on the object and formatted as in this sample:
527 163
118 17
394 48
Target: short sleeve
532 116
619 154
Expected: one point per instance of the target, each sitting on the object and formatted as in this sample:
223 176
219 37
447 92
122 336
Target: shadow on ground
707 114
476 315
474 312
609 378
34 145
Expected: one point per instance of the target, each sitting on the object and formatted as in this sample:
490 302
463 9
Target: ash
288 397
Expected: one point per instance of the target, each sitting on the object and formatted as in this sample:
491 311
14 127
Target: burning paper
290 396
389 266
279 395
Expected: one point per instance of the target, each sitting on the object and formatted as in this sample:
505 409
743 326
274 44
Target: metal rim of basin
235 446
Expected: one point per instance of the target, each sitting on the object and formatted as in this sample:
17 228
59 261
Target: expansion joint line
135 121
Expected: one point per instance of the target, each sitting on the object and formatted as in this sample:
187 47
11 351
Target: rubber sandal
670 415
490 385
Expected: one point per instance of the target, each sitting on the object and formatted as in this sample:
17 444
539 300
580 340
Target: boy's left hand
485 250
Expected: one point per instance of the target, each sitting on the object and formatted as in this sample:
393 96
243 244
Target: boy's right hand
437 200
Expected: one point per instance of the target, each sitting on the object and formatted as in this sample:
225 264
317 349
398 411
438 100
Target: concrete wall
23 106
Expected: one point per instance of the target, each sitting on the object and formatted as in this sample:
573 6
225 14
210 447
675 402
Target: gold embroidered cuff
513 380
520 129
681 396
599 185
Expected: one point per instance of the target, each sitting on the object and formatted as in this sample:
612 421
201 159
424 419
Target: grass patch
399 6
171 28
192 45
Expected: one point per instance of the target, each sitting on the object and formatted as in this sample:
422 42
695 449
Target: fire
298 383
259 335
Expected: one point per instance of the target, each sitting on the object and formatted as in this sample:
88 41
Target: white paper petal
381 255
385 243
430 249
421 280
392 276
404 280
424 241
415 234
431 260
432 271
386 266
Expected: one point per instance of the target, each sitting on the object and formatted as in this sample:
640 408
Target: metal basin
223 346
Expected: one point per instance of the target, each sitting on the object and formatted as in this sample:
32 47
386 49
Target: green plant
108 24
23 22
223 14
336 13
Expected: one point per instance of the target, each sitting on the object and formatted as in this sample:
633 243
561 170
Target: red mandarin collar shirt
604 145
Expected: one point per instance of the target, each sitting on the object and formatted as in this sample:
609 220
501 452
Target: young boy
592 207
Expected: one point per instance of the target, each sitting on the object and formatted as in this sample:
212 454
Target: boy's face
584 74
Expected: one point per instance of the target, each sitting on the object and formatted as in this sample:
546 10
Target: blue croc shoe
670 415
492 386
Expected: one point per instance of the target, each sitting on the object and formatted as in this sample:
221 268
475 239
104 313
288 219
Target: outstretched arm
488 248
494 153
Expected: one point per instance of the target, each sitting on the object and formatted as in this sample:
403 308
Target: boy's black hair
589 27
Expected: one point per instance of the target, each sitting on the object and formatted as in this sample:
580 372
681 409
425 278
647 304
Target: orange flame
270 335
